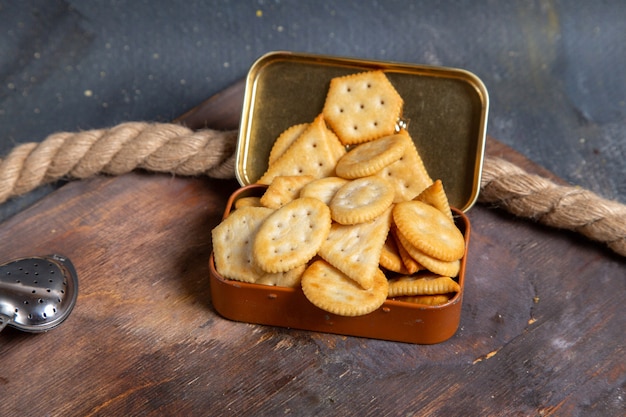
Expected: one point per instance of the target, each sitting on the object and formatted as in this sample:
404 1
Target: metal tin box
446 111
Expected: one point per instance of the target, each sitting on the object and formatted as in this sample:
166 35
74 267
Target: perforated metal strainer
38 293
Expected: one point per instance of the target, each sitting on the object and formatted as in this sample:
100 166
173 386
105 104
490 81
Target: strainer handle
4 320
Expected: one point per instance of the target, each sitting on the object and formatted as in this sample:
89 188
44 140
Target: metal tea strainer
38 293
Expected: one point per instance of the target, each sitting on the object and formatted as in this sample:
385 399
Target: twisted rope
176 149
155 147
565 207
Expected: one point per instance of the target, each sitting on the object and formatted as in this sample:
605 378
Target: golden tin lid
445 110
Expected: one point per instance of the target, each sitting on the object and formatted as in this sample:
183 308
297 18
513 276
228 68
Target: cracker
390 257
429 230
408 174
285 140
370 157
429 300
362 107
232 243
331 290
289 278
435 196
410 264
355 249
315 152
450 269
323 189
284 189
361 200
292 235
251 201
422 284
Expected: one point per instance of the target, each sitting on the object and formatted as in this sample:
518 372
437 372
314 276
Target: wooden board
542 327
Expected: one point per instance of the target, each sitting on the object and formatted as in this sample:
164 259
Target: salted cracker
370 157
422 284
323 189
410 264
362 107
390 257
291 235
232 243
446 268
284 189
331 290
290 279
429 230
429 300
253 201
285 140
315 152
355 249
436 196
408 174
361 200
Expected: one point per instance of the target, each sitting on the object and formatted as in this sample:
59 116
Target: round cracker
370 157
361 200
331 290
450 269
429 230
292 235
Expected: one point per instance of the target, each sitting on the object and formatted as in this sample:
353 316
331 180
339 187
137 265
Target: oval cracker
331 290
429 230
323 189
447 268
429 300
361 200
370 157
292 235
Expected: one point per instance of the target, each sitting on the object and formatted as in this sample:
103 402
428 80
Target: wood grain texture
542 326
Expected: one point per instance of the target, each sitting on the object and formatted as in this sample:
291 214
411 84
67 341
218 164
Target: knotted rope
175 149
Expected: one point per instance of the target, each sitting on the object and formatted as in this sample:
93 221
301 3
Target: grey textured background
554 69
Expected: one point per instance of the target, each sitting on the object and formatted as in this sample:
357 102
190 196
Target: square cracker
355 249
315 152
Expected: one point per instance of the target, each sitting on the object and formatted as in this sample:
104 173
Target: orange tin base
288 307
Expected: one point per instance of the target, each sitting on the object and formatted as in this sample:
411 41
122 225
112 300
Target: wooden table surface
542 326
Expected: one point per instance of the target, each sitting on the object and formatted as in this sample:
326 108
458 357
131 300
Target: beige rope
135 145
566 207
175 149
